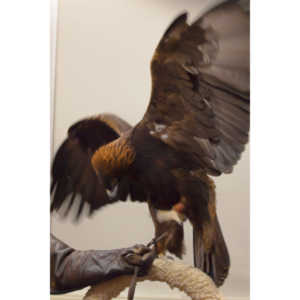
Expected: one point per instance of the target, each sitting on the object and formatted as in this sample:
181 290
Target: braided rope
188 279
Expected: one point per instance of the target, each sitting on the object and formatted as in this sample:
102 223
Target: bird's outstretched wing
200 88
73 176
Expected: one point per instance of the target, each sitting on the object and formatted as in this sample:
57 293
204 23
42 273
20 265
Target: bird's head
111 161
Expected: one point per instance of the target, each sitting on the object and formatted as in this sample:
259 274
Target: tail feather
215 262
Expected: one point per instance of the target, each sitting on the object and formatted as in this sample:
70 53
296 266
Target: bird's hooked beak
113 189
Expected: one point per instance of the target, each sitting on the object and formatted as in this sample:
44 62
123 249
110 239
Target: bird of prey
196 125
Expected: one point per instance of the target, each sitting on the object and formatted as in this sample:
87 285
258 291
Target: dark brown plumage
196 125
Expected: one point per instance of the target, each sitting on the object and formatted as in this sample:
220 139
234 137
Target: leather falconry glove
73 269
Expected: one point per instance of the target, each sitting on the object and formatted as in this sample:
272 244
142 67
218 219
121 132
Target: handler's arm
73 269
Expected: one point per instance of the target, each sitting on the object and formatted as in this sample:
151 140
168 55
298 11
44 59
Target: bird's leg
159 243
167 220
161 248
179 208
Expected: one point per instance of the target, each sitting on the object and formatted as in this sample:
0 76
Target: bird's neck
114 158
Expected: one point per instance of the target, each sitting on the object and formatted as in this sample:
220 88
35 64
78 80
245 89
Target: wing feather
73 176
200 88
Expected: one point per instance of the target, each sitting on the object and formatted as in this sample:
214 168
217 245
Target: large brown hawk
196 125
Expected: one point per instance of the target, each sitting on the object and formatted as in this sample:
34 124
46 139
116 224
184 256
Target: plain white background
25 151
103 55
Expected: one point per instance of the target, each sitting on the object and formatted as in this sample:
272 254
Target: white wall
53 36
102 65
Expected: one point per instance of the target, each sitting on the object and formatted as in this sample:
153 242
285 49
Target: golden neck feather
113 158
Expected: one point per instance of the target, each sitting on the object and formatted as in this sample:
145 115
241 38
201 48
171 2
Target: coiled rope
193 282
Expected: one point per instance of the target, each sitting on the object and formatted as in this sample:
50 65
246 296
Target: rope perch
188 279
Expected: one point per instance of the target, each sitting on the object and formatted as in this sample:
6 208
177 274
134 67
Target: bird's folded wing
200 88
74 180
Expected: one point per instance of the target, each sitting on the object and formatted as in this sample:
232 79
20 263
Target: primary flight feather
196 124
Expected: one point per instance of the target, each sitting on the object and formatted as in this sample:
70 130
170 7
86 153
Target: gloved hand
141 256
74 269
